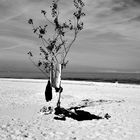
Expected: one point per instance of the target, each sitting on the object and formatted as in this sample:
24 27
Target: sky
109 42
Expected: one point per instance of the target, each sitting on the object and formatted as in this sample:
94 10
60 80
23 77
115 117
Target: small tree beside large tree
56 47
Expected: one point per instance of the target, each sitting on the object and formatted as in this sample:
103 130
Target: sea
131 78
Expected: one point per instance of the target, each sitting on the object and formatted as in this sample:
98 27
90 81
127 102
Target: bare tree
55 48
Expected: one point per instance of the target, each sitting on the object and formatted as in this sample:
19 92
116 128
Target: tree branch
69 46
38 67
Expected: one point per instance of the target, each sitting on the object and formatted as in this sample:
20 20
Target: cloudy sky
110 40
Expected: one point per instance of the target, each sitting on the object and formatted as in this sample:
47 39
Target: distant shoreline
126 78
122 81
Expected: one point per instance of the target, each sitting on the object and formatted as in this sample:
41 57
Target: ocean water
105 77
133 78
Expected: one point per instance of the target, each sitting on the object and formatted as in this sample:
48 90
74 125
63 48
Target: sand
21 118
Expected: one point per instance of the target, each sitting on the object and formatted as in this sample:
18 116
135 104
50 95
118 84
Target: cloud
110 36
103 18
127 3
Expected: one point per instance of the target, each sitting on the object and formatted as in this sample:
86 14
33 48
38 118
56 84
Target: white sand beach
22 99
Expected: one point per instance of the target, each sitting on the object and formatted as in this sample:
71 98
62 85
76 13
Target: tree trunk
55 78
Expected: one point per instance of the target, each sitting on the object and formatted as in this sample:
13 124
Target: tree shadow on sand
75 110
76 113
79 115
